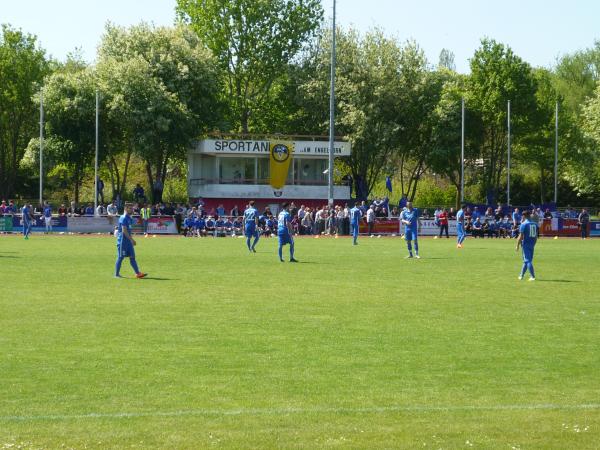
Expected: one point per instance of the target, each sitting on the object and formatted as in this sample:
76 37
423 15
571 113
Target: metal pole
508 170
332 111
556 156
41 145
462 153
96 160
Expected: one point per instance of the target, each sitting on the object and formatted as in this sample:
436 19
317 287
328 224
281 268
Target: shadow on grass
9 256
557 281
160 279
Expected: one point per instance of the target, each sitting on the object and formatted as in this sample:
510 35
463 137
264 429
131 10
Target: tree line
240 66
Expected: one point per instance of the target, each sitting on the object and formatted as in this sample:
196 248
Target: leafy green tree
591 116
577 75
23 65
253 42
69 102
445 155
160 90
498 75
418 94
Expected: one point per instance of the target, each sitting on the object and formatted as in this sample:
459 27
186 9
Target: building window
263 171
310 171
231 170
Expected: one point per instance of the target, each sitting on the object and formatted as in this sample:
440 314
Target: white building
231 171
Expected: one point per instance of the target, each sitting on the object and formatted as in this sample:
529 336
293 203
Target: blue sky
538 31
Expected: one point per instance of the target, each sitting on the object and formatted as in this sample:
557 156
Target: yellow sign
280 156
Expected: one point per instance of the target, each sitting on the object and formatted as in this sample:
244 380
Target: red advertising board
382 226
560 227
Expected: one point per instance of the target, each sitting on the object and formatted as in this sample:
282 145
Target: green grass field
355 347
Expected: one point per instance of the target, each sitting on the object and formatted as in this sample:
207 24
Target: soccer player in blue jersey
528 234
251 226
355 216
48 217
126 243
410 218
461 234
284 232
27 214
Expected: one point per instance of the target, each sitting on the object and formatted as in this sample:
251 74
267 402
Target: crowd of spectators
196 220
498 224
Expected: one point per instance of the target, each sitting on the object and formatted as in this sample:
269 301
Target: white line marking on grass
284 411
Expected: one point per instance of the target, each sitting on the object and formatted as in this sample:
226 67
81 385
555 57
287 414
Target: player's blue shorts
284 237
125 249
528 254
410 235
250 230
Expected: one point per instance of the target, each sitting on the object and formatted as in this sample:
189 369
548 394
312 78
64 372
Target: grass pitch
354 347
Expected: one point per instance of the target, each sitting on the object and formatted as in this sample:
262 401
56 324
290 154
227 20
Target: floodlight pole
556 156
41 145
508 168
462 153
332 110
96 159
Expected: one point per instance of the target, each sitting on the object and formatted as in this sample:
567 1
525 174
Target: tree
577 75
23 66
445 155
69 102
160 90
419 92
253 42
447 60
498 75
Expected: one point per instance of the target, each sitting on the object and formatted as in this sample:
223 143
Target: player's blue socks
523 270
118 266
280 253
291 250
248 244
530 267
256 238
416 247
132 261
409 245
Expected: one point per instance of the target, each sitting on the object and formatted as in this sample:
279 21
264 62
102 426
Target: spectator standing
100 183
235 211
138 193
443 221
583 220
346 220
370 220
146 214
62 211
319 221
306 225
